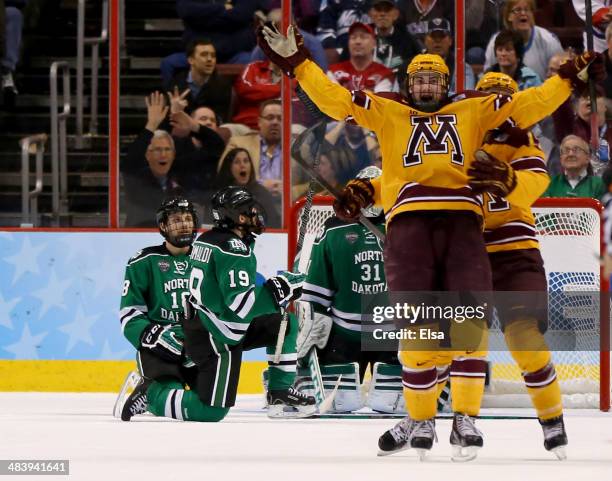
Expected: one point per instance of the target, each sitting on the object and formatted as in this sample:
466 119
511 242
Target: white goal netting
569 233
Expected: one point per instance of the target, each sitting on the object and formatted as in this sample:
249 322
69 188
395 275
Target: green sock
170 399
282 375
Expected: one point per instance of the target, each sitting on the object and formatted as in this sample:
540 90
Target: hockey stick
319 132
592 94
333 191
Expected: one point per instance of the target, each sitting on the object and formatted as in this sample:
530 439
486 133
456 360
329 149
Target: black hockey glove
164 341
286 287
488 174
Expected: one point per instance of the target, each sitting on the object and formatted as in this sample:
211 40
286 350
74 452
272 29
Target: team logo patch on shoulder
163 265
180 267
237 245
351 237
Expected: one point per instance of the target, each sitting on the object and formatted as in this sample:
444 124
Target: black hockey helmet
229 203
170 206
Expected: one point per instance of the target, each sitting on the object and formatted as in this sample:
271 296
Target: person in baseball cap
361 26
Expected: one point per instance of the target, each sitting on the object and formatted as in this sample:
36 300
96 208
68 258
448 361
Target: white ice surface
247 446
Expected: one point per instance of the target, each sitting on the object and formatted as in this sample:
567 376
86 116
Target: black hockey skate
465 438
290 403
408 433
136 403
555 437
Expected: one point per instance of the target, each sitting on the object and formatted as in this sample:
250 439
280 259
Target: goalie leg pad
386 394
349 397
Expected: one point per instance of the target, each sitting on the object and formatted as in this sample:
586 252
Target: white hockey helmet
370 172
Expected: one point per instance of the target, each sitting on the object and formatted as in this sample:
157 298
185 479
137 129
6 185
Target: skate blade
388 453
131 380
464 454
281 411
560 453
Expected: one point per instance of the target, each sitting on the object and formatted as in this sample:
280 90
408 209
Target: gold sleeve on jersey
338 102
509 223
526 107
529 166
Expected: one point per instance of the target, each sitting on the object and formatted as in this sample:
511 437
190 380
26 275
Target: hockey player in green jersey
346 264
154 292
230 314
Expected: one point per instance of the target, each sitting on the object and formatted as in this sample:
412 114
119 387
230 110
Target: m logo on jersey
180 267
163 265
424 140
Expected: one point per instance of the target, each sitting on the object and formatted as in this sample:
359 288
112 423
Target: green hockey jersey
222 285
155 289
346 263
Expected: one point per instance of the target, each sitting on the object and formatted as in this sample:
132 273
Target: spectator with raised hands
149 173
539 44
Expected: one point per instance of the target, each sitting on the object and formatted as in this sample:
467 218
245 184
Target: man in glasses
264 146
147 169
577 179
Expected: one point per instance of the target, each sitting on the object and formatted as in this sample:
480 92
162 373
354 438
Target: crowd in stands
206 130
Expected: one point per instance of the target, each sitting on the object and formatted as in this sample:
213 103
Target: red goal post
570 231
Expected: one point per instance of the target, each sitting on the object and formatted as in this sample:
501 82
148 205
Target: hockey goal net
569 231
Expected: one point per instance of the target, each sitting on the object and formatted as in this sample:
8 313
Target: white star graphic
105 275
52 294
78 329
25 259
108 354
27 346
6 306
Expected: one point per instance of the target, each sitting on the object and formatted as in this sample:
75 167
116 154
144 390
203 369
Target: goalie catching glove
164 341
314 328
285 287
488 174
286 52
358 194
589 65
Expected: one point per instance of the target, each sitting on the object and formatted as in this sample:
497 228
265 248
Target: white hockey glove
285 287
314 328
286 52
164 341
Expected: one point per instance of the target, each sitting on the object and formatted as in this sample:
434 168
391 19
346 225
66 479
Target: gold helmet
428 63
497 82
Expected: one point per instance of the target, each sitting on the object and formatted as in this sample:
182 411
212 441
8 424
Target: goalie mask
230 203
427 82
497 83
368 173
180 230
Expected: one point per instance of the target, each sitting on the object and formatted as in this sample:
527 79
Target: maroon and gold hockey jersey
426 155
509 222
